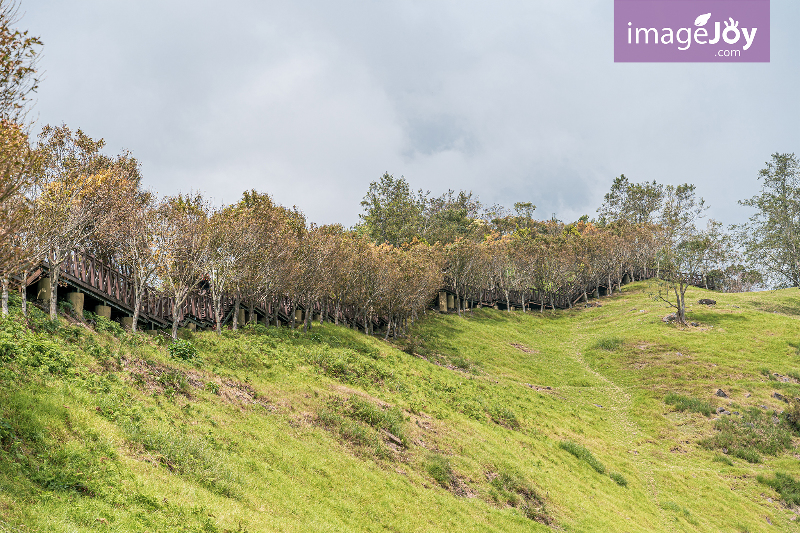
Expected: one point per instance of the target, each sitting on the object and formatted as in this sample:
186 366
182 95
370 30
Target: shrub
687 403
619 479
792 414
182 349
212 387
438 467
785 485
610 344
104 325
583 454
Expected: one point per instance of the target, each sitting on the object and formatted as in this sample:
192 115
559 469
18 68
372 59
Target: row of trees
74 197
63 194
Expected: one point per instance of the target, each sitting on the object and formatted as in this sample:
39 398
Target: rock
779 396
707 301
736 413
747 395
720 409
726 413
669 318
721 393
694 324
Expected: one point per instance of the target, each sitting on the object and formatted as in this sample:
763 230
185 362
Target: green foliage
104 325
182 349
687 403
722 459
212 387
755 432
438 467
503 415
792 415
785 485
619 479
583 454
389 419
26 349
348 366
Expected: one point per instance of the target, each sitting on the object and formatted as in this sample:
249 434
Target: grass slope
497 422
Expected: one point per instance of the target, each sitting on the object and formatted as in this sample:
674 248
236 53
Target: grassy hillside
596 419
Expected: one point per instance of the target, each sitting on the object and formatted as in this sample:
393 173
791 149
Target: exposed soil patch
523 348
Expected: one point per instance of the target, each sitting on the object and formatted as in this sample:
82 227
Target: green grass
268 429
583 454
686 403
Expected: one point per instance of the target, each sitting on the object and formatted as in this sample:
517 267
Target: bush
182 349
583 454
438 467
686 403
785 485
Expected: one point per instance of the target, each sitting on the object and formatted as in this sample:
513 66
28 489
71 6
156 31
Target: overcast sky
310 101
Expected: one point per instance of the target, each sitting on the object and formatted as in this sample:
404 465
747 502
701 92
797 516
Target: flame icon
702 19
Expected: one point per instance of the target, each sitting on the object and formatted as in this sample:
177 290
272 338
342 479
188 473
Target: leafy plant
610 344
182 349
619 479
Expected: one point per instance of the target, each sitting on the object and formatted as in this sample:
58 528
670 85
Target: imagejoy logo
661 31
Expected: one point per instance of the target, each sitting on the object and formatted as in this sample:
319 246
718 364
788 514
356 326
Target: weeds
785 485
438 467
686 403
718 458
755 433
619 479
510 487
583 454
182 349
609 344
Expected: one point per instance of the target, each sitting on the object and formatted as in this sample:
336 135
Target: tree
15 180
771 238
683 246
74 196
182 243
19 53
132 233
637 203
391 211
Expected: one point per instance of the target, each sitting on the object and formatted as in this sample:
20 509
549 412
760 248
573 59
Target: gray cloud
311 101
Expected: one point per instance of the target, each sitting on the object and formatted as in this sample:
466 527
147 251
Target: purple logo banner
677 31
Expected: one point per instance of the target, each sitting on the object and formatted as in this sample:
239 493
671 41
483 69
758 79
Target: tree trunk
508 302
336 313
23 290
252 312
55 270
237 302
610 287
294 313
4 297
137 304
